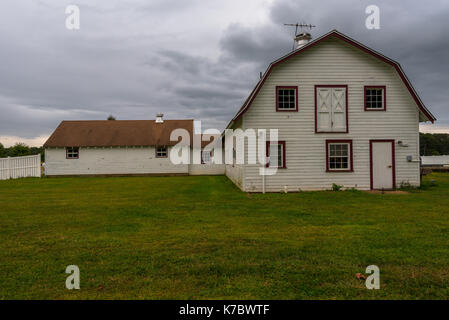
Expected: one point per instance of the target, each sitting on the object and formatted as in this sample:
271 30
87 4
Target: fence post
38 166
8 166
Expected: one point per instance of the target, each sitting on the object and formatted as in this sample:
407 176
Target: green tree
434 144
38 150
111 117
19 150
2 151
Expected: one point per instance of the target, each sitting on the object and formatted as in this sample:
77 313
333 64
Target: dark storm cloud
414 33
257 45
138 58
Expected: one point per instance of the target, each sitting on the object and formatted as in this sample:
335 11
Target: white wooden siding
206 169
20 167
235 174
99 161
333 62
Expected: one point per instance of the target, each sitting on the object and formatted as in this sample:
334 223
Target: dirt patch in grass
387 192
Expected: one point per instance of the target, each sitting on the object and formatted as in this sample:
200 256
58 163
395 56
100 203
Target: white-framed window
287 98
276 154
161 152
72 152
375 98
339 155
205 157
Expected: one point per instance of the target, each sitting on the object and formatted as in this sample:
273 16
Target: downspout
262 138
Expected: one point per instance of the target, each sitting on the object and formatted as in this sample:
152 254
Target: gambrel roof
336 34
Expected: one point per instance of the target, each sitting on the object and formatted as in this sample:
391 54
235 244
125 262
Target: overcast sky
187 58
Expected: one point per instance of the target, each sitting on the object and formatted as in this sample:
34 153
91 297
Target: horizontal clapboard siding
235 174
337 63
206 169
109 161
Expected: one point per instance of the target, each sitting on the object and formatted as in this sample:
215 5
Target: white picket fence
20 167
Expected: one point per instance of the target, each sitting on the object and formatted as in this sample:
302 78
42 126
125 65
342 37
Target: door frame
393 161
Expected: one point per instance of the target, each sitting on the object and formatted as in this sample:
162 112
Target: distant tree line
434 144
20 150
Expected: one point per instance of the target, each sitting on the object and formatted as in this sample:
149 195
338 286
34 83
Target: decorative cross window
287 98
72 152
331 108
161 152
339 155
375 98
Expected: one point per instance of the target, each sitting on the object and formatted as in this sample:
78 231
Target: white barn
346 114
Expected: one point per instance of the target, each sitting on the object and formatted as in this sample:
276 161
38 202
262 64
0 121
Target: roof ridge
115 133
111 121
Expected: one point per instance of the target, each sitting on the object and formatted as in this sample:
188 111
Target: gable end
352 42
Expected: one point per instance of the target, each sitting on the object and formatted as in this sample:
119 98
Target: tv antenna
303 26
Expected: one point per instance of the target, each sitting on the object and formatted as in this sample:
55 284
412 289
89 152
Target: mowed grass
202 238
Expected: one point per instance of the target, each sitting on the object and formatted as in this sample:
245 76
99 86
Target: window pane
206 156
374 98
276 154
338 156
279 155
72 152
286 99
161 152
273 154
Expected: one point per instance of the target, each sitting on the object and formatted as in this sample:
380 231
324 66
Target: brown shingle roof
116 133
210 138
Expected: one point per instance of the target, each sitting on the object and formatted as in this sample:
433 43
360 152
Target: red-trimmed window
276 154
286 98
72 152
375 98
161 152
339 156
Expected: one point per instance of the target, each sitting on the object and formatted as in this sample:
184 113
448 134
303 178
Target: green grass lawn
202 238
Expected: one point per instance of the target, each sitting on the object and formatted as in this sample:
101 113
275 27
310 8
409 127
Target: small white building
345 114
120 147
435 161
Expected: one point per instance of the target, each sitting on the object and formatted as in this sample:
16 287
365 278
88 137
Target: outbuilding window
161 152
276 154
339 155
287 98
205 157
72 152
375 99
